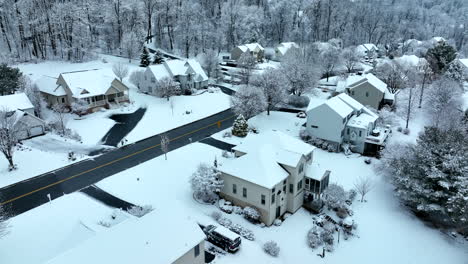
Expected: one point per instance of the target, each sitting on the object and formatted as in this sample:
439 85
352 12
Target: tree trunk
422 90
408 113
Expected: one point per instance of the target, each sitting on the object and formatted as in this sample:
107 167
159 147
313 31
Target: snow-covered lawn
46 231
387 232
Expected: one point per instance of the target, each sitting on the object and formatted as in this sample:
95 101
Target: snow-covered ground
50 152
46 231
387 232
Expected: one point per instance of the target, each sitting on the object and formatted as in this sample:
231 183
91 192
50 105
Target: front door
278 211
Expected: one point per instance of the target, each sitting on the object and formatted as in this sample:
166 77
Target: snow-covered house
98 88
367 50
366 89
27 123
341 119
187 74
283 48
269 174
253 49
153 238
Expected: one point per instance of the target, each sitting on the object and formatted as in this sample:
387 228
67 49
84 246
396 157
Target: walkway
106 198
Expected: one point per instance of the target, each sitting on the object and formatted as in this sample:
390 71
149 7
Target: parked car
222 237
301 115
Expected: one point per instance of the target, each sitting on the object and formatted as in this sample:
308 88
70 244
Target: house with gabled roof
153 238
283 48
367 89
187 74
268 174
343 120
26 123
367 50
254 49
98 88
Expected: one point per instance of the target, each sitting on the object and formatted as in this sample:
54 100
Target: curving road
23 196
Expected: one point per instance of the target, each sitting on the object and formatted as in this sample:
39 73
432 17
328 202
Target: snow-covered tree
240 128
350 58
145 58
131 45
455 72
158 57
120 70
248 101
334 196
271 248
273 84
80 107
313 237
330 58
431 176
363 186
8 135
166 87
209 62
165 145
444 103
137 77
34 95
60 111
301 70
391 73
425 73
9 79
440 56
247 64
206 183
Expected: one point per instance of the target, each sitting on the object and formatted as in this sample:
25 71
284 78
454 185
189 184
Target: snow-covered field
50 152
387 232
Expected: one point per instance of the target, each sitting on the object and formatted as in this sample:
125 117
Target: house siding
189 257
330 124
374 98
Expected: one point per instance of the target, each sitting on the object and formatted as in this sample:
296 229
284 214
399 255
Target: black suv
222 237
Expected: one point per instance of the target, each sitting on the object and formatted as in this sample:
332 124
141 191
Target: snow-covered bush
327 237
240 128
277 222
352 195
342 212
406 131
225 206
331 148
226 154
304 135
399 129
227 134
334 196
216 215
251 214
140 211
206 183
313 237
271 248
104 223
236 228
237 210
298 101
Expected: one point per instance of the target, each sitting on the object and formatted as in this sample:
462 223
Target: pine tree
145 58
440 56
455 72
240 127
9 79
158 58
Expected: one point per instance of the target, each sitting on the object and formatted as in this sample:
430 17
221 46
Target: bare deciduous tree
273 85
120 70
8 135
350 58
363 186
165 145
136 78
165 88
246 63
248 101
60 111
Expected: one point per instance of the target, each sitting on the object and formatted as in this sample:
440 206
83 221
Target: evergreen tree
455 72
440 56
431 176
206 183
240 127
145 58
158 58
9 79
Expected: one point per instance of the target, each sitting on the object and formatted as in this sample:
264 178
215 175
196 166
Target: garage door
36 131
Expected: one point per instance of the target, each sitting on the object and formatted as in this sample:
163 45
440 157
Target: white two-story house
269 174
254 49
188 74
341 119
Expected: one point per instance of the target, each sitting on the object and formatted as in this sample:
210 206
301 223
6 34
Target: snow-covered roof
339 107
438 39
362 120
88 83
265 153
159 71
411 60
47 84
226 232
153 237
285 46
356 80
464 62
250 46
176 67
14 102
366 47
389 95
316 171
197 68
351 102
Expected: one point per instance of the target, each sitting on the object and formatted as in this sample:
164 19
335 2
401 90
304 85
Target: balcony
379 136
